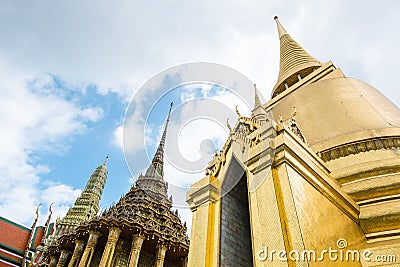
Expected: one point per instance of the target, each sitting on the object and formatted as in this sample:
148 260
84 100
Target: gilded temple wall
321 222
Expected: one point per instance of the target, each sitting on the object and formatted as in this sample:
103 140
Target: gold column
89 250
137 241
53 261
79 245
161 249
63 258
108 252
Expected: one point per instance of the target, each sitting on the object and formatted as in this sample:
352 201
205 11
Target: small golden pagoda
312 178
139 230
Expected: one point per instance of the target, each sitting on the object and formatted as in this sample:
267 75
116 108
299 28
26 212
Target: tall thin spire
295 61
158 160
153 180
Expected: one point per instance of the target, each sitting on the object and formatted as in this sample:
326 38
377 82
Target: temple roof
294 60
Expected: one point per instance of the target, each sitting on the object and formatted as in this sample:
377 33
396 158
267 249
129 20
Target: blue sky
82 153
68 71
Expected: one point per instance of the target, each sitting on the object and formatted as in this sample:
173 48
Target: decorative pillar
79 245
108 252
137 241
184 261
63 258
89 250
53 261
161 250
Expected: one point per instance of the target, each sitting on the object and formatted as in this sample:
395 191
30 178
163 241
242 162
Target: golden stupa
312 178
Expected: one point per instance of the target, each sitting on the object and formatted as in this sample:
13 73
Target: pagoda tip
105 161
276 18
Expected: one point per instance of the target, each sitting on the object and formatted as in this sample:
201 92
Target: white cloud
118 46
91 114
118 137
34 121
63 196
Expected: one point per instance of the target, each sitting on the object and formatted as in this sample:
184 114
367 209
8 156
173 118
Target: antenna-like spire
295 61
281 30
105 161
157 164
153 180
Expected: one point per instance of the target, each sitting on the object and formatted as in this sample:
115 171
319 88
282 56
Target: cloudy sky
69 69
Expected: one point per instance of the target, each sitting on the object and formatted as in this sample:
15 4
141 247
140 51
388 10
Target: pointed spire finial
281 30
164 135
257 102
156 167
258 111
105 161
295 62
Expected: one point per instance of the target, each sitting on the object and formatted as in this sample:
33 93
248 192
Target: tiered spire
87 204
295 61
153 180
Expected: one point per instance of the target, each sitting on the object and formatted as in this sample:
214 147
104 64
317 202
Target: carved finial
238 113
228 125
37 212
105 161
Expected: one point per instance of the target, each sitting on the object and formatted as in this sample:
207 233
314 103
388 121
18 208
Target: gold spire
295 61
257 102
281 30
258 111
